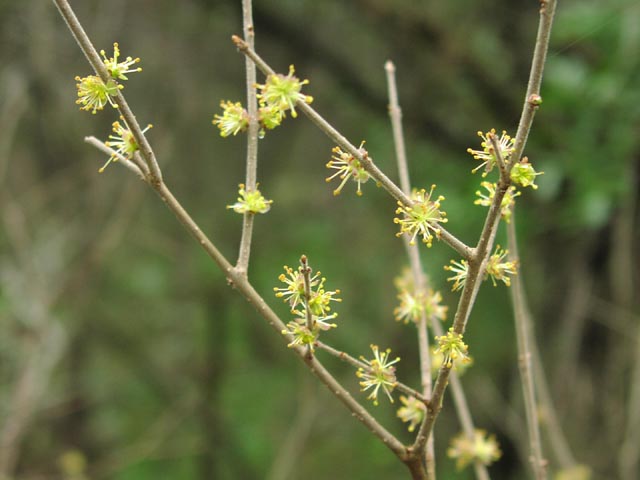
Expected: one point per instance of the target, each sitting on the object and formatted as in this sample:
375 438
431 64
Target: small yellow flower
432 306
380 373
413 411
234 119
422 218
481 448
461 270
250 202
93 94
116 69
320 299
488 155
283 92
269 117
410 308
412 305
73 464
524 174
437 357
301 334
577 472
122 142
452 347
347 167
317 304
405 281
507 203
293 292
497 269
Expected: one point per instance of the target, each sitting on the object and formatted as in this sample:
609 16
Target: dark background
125 355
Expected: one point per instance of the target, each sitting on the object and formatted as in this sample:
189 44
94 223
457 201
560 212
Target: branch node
534 100
240 43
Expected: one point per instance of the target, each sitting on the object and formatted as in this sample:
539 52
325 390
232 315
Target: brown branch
417 271
481 253
252 139
524 332
460 401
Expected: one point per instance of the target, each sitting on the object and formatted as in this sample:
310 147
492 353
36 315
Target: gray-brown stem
480 254
419 276
524 340
252 139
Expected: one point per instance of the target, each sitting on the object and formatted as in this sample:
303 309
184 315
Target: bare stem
481 253
460 401
252 101
523 331
360 154
552 425
464 415
93 141
395 113
465 304
532 97
417 271
252 138
306 275
502 165
139 161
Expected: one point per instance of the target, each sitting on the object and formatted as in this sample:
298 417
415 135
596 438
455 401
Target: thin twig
549 418
360 154
252 139
344 356
417 271
460 401
497 152
481 252
531 103
465 304
464 415
139 161
95 142
523 331
419 277
395 113
532 97
557 440
98 66
354 362
306 276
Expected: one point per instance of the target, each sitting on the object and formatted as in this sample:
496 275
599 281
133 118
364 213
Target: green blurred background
123 353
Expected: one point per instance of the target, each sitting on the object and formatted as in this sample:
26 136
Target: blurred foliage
140 361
